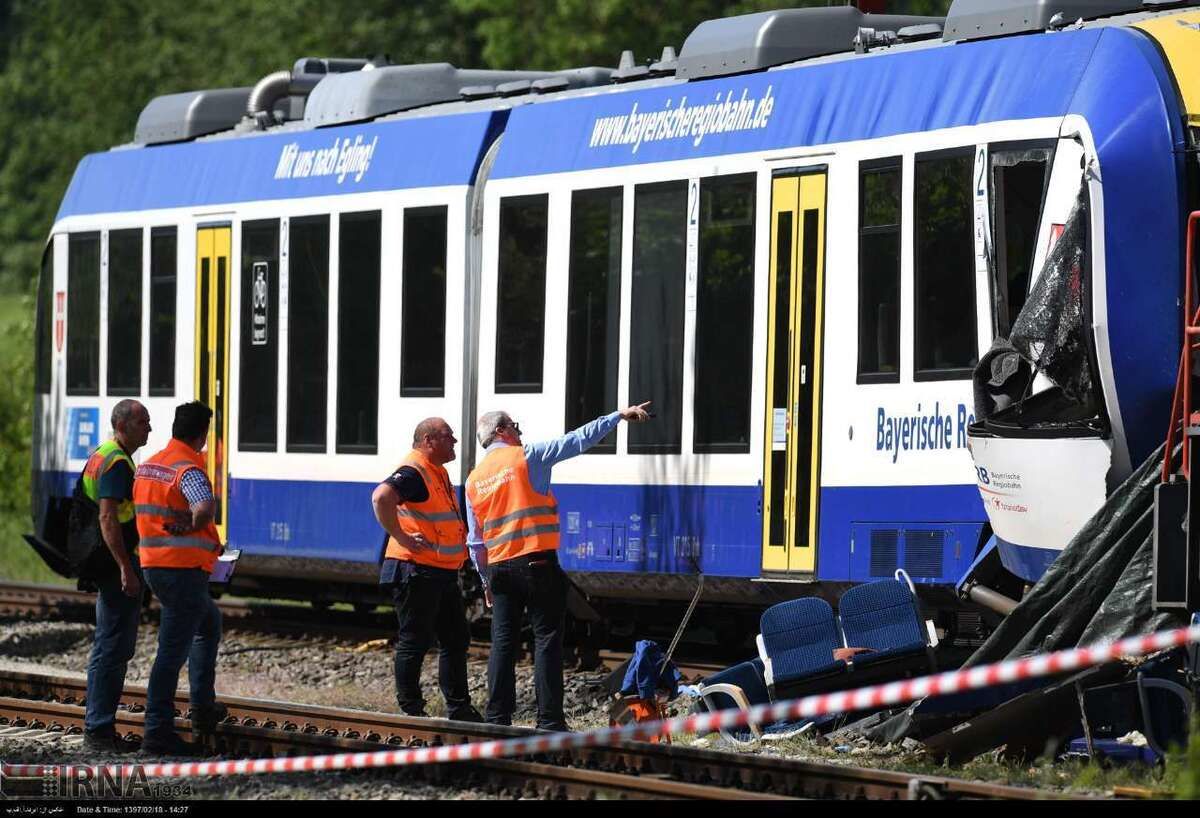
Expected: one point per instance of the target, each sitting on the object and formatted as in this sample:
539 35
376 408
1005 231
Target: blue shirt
540 458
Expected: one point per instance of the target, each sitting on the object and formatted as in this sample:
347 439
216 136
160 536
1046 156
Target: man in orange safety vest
513 537
426 547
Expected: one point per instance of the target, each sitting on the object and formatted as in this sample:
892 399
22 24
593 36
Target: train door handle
803 374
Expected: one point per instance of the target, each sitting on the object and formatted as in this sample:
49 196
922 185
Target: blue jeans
112 648
189 631
534 583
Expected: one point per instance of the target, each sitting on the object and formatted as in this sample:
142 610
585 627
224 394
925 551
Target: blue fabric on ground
1113 750
642 677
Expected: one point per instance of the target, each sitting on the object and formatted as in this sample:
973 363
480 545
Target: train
797 236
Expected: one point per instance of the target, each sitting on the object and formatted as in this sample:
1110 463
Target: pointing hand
636 414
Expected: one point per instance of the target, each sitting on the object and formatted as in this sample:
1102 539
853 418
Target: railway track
51 601
257 728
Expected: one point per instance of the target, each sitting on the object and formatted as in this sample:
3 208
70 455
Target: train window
83 314
358 333
594 309
521 293
44 322
308 333
423 325
946 345
1018 185
656 330
124 312
259 372
163 264
879 272
780 384
725 314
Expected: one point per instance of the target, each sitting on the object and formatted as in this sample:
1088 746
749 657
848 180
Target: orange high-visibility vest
514 519
437 520
158 499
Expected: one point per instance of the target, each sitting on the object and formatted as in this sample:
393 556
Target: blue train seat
796 642
741 686
883 616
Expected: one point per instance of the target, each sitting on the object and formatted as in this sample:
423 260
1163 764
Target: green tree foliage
554 34
16 388
77 74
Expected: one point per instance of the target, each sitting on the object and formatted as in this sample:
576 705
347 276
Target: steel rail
529 778
734 774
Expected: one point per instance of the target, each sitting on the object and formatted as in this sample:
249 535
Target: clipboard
223 569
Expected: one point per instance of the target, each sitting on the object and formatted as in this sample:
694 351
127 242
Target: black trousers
535 583
428 604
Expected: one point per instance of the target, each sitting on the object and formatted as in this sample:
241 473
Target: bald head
435 438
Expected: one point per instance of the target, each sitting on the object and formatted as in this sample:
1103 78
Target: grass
18 561
1180 778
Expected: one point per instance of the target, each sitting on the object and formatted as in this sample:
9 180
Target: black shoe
106 741
169 744
207 718
467 713
560 727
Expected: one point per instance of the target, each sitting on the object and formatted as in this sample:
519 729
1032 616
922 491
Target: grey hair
124 411
489 423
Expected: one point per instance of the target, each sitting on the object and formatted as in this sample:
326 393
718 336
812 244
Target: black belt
534 560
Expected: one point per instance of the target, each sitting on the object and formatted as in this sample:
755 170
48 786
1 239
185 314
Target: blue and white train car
796 265
308 284
799 252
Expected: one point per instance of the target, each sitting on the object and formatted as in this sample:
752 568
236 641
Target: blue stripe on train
1025 561
834 102
639 529
643 529
411 153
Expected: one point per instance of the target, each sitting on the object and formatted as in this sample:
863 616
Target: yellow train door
791 464
212 353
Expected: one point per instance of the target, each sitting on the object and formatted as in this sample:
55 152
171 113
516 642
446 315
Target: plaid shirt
195 486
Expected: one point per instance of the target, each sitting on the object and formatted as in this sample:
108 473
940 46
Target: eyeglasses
516 427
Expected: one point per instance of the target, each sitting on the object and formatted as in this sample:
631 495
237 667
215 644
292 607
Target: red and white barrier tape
872 697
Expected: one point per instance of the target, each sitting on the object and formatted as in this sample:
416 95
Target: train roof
340 92
581 120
